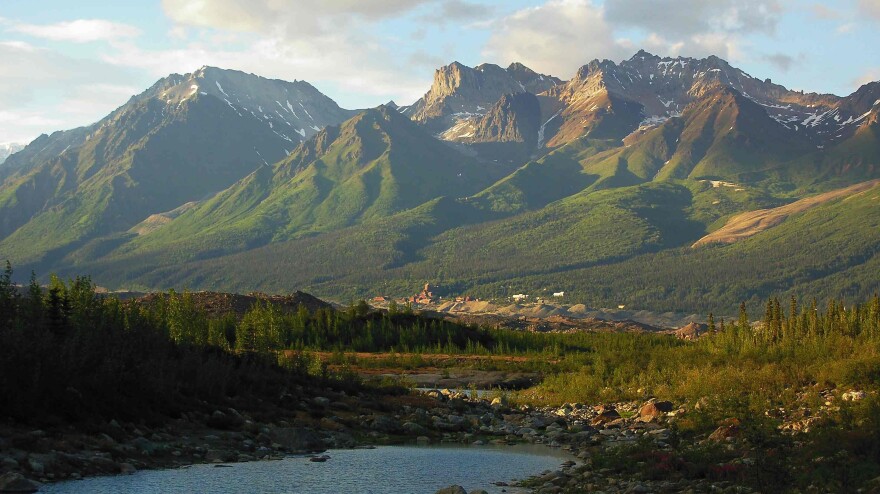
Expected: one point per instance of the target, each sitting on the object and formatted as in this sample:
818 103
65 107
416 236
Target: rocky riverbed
337 420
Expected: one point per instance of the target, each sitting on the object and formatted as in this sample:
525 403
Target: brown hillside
747 224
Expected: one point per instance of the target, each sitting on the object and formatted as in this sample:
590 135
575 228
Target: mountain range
497 181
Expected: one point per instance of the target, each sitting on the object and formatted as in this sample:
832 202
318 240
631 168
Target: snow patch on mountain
8 149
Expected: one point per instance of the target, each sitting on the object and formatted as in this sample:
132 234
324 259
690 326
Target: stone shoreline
338 421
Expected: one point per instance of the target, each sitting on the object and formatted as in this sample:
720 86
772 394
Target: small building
558 294
520 297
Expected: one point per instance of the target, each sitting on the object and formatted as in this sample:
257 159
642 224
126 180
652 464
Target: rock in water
15 482
452 489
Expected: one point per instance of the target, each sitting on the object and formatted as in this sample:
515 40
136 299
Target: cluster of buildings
426 296
522 297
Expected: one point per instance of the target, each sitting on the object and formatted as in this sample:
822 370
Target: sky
68 63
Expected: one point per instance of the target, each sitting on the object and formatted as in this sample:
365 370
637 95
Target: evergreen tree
8 297
743 317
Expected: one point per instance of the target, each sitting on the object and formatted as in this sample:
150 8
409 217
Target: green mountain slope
597 186
376 164
449 239
177 142
614 255
121 175
721 135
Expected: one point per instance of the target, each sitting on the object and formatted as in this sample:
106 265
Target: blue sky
67 63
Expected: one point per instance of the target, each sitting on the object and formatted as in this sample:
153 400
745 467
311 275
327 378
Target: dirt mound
218 304
747 224
470 307
690 331
156 221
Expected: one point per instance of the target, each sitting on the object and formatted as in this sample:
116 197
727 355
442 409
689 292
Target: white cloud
42 90
556 37
870 75
846 28
334 44
825 12
782 61
78 31
301 16
561 35
83 101
697 46
25 119
354 66
685 18
871 8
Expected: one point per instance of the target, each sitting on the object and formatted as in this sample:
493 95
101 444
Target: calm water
385 470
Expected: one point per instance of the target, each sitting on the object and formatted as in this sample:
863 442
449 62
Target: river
384 470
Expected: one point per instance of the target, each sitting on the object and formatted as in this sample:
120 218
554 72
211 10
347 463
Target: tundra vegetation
71 355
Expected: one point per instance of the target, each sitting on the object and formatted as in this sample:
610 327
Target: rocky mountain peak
593 68
514 118
643 54
293 110
460 92
530 80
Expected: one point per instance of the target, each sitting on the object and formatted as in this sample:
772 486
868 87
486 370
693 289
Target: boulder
728 428
144 445
225 421
853 396
36 466
452 489
15 482
413 429
386 424
297 438
654 410
606 416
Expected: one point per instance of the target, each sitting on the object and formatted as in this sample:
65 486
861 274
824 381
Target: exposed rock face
514 118
606 100
662 88
530 80
460 92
